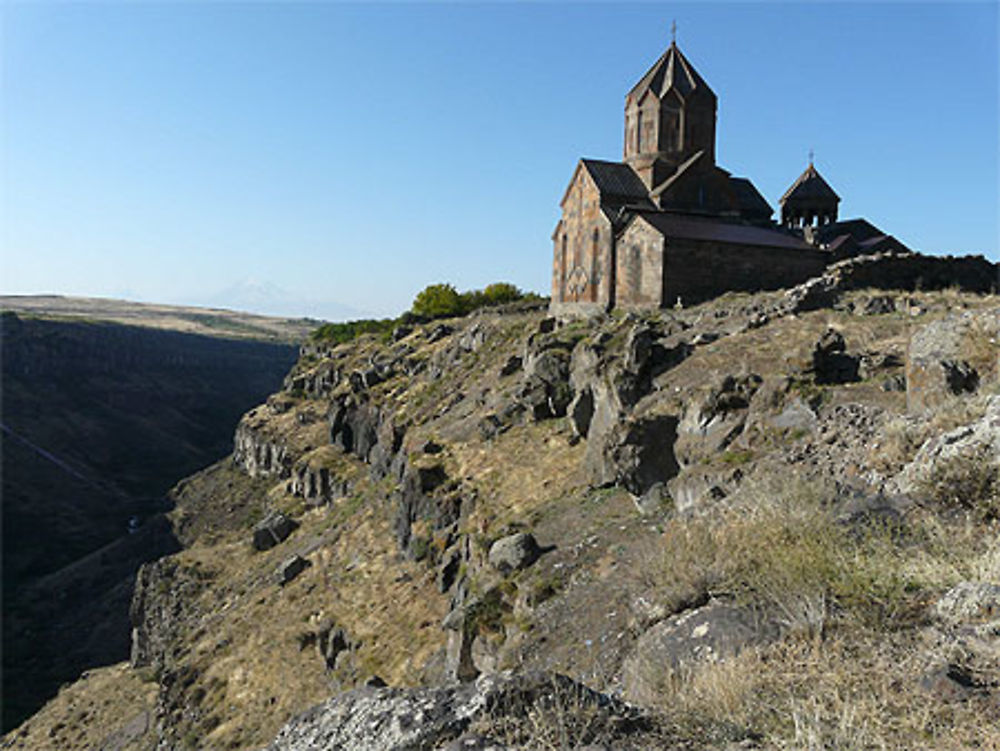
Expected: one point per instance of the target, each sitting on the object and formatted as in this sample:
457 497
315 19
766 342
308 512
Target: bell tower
810 202
669 117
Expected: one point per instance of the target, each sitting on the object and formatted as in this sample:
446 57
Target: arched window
638 131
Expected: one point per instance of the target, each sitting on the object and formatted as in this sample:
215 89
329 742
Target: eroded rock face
978 442
164 593
935 367
255 453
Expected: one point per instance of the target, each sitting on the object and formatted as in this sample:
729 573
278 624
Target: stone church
667 223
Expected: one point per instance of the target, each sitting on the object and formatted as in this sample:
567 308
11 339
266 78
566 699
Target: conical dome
674 72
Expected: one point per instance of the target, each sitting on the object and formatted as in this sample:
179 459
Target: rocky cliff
766 521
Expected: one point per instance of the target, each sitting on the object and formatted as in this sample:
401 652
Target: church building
667 223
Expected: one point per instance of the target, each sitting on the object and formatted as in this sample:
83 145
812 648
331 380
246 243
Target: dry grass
981 346
902 436
784 549
969 482
853 601
106 708
561 717
853 691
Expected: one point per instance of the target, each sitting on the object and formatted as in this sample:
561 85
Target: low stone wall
895 271
914 271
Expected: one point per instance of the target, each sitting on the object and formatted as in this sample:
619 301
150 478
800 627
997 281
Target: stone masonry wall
698 270
580 259
639 278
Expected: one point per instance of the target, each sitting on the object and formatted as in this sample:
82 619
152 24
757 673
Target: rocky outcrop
637 453
966 643
257 454
426 719
164 595
936 368
316 382
959 463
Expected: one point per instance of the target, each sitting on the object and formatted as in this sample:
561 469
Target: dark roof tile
809 187
691 228
616 180
749 198
672 71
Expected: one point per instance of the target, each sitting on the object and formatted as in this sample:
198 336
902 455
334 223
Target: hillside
214 322
766 521
99 421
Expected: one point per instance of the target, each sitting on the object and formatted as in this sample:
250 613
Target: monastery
667 224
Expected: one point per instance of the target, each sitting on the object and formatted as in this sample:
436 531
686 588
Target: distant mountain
267 298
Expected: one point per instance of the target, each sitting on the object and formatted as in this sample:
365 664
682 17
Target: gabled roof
674 178
616 180
693 228
860 230
671 72
809 187
749 198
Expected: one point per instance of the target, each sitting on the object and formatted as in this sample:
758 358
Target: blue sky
354 153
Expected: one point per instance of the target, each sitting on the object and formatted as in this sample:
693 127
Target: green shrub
439 301
500 293
338 333
443 300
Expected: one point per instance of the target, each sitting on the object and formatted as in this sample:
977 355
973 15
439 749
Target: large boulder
830 361
705 634
289 569
429 719
272 530
713 419
514 552
936 368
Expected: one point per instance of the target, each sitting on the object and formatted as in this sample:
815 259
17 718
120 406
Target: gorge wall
99 420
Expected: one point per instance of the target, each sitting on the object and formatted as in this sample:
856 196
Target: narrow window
562 270
594 254
638 131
